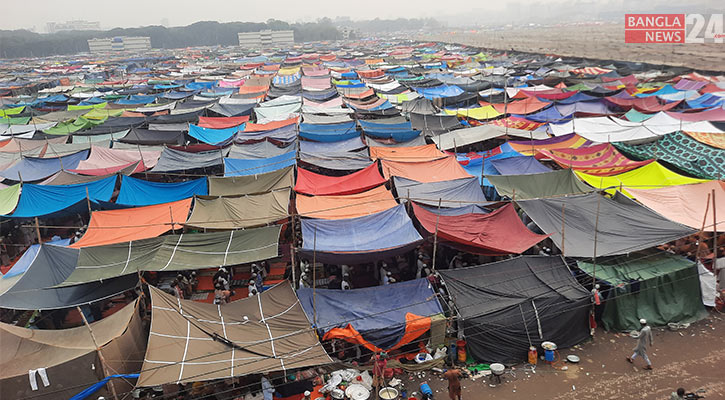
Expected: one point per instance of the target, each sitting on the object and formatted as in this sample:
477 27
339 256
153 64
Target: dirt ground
693 358
599 41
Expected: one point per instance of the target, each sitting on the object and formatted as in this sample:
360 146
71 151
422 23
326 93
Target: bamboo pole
37 231
292 252
435 235
596 228
314 277
704 217
714 229
563 224
88 201
100 354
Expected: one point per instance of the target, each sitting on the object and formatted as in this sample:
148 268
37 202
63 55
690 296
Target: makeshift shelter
443 169
346 206
103 161
138 192
31 169
243 211
428 152
192 341
381 318
655 285
542 185
236 167
651 176
39 200
250 184
599 160
114 226
258 150
682 151
509 305
624 226
49 364
687 204
175 253
518 165
340 160
453 193
368 238
34 287
496 233
176 160
311 183
9 198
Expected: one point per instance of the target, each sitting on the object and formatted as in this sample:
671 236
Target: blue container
426 390
549 355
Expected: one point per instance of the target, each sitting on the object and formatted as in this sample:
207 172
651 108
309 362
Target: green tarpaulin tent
655 285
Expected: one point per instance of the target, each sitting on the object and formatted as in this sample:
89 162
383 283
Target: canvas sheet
139 192
240 211
311 183
628 226
192 341
125 225
346 206
369 238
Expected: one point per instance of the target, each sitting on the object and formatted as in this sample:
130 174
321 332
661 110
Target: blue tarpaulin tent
375 236
32 169
213 136
138 192
519 165
355 315
236 167
38 200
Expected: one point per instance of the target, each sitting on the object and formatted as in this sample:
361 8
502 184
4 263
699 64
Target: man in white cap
644 339
307 395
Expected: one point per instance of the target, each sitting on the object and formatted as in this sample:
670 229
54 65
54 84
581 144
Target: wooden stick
100 354
435 235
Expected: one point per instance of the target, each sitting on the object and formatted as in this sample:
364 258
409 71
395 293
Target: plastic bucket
549 355
461 348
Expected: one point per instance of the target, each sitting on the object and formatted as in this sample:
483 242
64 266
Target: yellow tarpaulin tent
650 176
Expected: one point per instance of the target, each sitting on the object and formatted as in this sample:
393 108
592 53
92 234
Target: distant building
78 25
266 38
120 43
347 32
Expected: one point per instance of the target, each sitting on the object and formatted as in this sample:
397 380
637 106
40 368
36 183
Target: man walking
644 339
454 383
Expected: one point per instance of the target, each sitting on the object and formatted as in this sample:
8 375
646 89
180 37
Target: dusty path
692 358
605 41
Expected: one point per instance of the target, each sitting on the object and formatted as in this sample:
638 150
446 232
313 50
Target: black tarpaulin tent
510 305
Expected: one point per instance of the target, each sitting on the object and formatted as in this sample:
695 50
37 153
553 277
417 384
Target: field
600 41
691 358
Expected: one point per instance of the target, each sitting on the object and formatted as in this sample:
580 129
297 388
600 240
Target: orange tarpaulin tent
428 152
222 122
443 169
269 125
116 226
346 206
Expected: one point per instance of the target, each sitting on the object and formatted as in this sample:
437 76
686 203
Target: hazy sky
132 13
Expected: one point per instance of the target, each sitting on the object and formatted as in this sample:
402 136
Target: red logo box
654 28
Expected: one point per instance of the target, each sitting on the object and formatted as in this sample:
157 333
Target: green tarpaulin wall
657 286
535 186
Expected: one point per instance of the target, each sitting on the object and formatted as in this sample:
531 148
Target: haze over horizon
135 13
